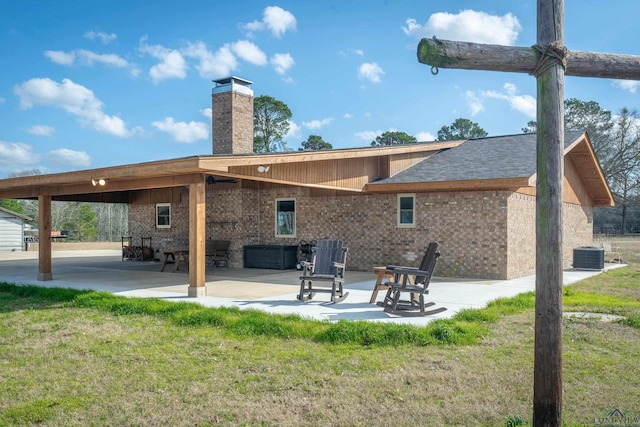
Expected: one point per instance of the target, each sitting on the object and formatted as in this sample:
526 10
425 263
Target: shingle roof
511 156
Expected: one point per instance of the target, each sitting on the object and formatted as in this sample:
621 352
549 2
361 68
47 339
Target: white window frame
399 210
163 205
277 218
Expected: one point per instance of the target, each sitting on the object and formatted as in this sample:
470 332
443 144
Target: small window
285 218
163 215
406 210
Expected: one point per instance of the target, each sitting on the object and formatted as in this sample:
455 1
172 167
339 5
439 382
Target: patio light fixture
99 182
263 168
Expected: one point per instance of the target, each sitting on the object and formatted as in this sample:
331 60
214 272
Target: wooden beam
288 182
547 383
488 184
215 163
476 56
197 214
44 238
114 185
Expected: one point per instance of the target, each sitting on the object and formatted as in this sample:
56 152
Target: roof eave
463 185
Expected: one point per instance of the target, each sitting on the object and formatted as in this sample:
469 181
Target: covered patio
273 291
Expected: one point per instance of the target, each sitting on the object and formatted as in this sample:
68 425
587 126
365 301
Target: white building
11 230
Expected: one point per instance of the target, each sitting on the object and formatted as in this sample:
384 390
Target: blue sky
87 84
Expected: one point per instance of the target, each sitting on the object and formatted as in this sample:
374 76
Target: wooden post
44 238
547 396
547 384
197 213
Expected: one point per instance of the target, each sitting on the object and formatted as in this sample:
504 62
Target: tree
270 124
12 205
588 116
24 207
393 138
461 129
623 163
315 142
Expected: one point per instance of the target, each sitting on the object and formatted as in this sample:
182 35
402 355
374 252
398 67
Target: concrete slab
273 291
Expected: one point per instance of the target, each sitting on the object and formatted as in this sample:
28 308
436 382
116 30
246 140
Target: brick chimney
232 116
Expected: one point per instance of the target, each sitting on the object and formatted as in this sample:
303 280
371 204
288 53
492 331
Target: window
163 215
406 208
285 218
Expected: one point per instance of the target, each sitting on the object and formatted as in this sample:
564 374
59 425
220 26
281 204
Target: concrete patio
273 291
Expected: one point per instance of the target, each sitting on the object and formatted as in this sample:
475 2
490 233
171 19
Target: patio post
197 213
44 238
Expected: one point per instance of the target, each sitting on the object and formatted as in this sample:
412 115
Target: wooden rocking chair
415 282
327 265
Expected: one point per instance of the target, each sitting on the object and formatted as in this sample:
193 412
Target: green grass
469 326
92 358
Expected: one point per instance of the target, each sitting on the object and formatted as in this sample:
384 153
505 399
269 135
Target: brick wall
521 230
577 227
482 234
232 123
578 230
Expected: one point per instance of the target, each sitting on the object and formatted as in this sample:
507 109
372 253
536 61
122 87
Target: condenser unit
588 258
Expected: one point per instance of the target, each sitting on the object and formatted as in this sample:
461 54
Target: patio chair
218 252
412 281
326 266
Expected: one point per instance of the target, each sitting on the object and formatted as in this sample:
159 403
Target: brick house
476 198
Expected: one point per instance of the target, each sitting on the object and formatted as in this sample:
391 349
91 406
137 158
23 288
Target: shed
11 230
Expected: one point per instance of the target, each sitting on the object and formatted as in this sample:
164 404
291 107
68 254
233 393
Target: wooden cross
549 61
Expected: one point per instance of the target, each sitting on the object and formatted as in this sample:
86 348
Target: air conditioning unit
588 258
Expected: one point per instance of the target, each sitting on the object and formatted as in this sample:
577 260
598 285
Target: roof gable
15 214
501 157
503 162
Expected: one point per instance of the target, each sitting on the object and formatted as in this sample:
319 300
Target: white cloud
183 131
468 25
274 19
212 65
17 154
66 157
88 58
171 66
358 52
474 102
2 100
317 124
628 85
294 130
103 37
425 136
61 58
348 116
281 62
249 52
73 98
368 135
109 59
41 130
207 112
525 104
371 71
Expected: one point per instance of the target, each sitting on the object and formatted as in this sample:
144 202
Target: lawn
89 358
